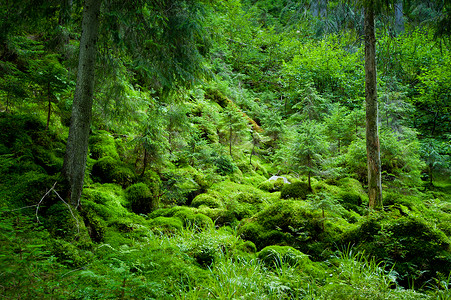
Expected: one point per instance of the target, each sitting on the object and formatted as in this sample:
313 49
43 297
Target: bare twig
42 199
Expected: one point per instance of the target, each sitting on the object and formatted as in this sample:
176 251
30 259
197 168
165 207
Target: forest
235 149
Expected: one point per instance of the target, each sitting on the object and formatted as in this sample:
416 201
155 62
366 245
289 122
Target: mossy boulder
166 224
207 200
271 185
102 144
291 223
194 220
351 201
140 198
109 170
276 255
69 254
65 223
296 190
413 245
220 216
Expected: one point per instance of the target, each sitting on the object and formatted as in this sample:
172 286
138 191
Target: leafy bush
296 190
140 198
224 165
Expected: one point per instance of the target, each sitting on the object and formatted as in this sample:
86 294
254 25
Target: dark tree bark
372 134
399 17
77 143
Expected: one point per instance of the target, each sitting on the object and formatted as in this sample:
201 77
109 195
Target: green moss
194 220
109 170
351 201
276 255
207 200
94 223
271 185
69 254
296 190
410 243
246 247
102 144
140 198
166 224
220 216
64 223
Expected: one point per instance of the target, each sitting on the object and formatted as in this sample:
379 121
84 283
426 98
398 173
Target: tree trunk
144 162
49 108
230 140
77 142
399 17
309 165
372 134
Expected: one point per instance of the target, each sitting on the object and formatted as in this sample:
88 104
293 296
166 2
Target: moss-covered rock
296 190
292 223
65 223
109 170
194 220
166 224
271 185
102 144
207 200
220 216
414 246
350 201
277 255
141 199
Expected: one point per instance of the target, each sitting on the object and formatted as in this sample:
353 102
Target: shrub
140 198
207 200
296 190
224 165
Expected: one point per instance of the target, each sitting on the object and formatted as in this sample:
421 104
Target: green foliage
141 199
296 190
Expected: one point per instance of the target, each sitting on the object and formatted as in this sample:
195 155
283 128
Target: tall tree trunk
77 142
372 134
49 108
399 17
230 140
